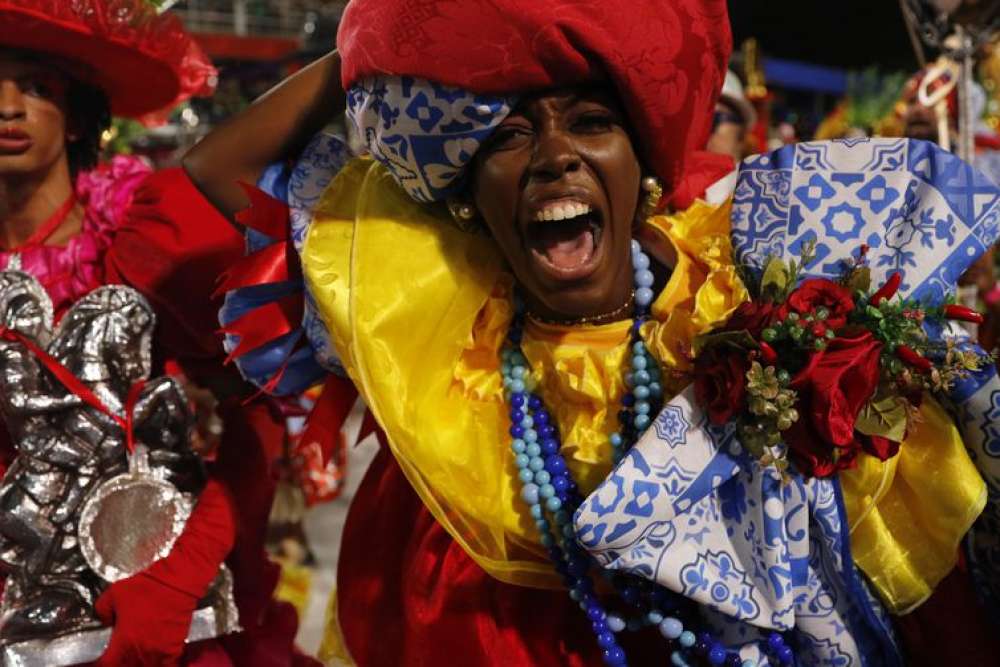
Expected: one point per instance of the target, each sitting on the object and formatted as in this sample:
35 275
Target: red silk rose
832 389
752 316
817 292
720 379
881 448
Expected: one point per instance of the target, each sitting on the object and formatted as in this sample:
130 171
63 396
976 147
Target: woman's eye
507 137
36 87
594 122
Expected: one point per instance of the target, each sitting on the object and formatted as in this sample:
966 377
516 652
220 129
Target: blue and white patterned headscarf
423 132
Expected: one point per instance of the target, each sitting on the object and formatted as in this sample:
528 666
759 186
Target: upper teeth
562 211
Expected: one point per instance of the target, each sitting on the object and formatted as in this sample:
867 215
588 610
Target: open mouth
565 238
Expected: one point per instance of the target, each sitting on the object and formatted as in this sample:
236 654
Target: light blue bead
640 261
654 617
546 490
575 595
615 622
568 531
525 475
533 449
654 373
687 639
516 386
528 421
505 354
517 359
616 439
636 250
529 494
642 407
518 446
677 659
748 663
522 460
530 435
644 278
641 392
507 382
543 525
505 368
517 372
542 477
638 364
546 540
536 464
553 504
641 378
655 390
638 347
641 421
671 628
644 296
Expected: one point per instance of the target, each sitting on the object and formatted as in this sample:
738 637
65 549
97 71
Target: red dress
156 233
408 596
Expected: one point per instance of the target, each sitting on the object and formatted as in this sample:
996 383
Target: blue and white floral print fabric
424 133
689 509
922 211
299 186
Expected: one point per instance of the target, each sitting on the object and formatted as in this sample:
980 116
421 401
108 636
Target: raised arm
277 126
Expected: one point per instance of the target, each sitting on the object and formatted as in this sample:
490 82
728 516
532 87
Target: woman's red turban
667 58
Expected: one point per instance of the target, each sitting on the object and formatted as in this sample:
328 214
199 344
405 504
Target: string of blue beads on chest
552 496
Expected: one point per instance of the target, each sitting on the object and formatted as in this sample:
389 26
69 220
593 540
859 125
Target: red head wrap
667 58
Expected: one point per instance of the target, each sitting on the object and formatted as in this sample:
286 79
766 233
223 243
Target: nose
555 155
11 101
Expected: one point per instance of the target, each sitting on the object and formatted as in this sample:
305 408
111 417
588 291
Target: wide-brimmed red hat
142 60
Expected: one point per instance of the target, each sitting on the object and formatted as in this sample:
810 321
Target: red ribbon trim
264 324
71 382
266 214
269 265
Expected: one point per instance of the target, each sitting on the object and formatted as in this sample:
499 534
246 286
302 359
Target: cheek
495 194
50 125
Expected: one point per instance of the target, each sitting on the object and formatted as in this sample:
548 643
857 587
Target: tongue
566 245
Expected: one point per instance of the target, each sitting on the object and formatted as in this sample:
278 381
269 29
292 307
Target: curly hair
89 112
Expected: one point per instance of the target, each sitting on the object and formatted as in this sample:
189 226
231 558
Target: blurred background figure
734 116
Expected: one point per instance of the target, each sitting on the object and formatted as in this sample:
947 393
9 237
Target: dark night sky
852 34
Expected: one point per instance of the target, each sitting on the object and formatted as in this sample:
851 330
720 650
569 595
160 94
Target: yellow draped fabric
908 514
418 310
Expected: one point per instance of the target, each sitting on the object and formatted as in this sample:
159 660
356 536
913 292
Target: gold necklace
610 316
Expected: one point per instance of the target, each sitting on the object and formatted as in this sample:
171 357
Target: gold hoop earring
654 192
463 214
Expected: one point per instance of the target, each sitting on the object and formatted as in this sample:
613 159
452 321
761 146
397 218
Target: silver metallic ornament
76 512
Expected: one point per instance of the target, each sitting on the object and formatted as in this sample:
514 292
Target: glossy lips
13 141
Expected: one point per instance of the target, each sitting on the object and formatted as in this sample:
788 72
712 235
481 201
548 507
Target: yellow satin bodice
418 310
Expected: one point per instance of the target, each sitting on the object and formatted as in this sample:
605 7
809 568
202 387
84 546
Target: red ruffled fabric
667 59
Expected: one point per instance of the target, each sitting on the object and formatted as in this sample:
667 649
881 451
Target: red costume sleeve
172 246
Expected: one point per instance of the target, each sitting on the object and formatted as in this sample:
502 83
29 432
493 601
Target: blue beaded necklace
553 497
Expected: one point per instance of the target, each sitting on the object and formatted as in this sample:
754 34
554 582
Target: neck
27 201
